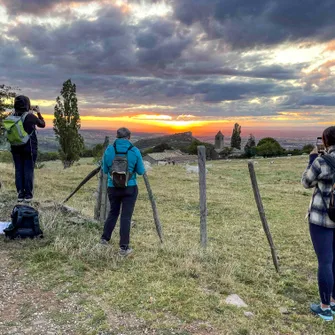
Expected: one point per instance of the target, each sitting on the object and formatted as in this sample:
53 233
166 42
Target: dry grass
178 286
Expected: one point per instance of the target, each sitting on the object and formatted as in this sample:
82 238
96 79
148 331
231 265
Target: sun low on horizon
175 65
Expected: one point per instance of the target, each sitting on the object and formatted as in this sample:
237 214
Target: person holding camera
319 175
121 161
24 156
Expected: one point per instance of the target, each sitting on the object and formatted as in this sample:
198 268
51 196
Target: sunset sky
176 65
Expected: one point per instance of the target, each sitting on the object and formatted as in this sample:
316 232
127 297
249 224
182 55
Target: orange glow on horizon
162 123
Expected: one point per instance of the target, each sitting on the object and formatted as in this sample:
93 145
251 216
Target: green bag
15 133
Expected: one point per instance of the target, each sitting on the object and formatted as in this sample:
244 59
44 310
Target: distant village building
219 141
169 157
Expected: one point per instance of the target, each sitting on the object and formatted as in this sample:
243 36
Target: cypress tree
67 125
7 96
236 137
250 147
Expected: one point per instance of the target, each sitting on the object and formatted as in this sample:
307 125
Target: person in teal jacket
122 199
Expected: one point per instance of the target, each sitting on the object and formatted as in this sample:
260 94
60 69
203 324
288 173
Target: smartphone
320 146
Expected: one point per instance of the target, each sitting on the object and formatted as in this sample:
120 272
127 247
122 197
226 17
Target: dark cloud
317 100
244 24
273 72
100 46
35 7
160 41
298 99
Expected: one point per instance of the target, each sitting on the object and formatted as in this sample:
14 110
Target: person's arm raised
40 120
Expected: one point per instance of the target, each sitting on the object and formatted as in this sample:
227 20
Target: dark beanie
21 104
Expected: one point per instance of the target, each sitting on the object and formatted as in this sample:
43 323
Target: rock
235 300
193 169
283 310
249 314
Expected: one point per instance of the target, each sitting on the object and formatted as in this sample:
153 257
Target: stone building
219 141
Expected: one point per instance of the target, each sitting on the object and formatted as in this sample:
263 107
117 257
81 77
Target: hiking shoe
20 199
125 252
103 241
28 200
325 314
332 308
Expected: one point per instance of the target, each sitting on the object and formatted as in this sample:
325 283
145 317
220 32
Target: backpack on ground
119 169
25 223
331 208
15 133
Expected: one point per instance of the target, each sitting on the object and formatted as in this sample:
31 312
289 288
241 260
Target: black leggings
324 245
120 198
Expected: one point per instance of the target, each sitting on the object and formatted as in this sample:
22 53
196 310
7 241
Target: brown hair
328 136
123 133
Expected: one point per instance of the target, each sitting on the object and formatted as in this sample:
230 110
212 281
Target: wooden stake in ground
154 208
202 191
101 202
260 207
85 180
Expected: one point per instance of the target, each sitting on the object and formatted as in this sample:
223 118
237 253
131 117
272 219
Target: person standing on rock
319 175
122 162
25 155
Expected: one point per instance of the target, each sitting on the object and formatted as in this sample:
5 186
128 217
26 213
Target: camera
320 146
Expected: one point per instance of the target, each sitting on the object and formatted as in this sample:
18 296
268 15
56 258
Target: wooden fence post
98 198
154 208
102 199
202 192
261 212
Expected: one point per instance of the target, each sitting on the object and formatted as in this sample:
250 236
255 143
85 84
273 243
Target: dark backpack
119 169
25 223
331 208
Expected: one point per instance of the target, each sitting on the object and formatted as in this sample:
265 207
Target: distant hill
175 141
47 140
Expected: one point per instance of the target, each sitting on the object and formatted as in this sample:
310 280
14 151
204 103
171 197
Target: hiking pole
85 180
154 208
261 212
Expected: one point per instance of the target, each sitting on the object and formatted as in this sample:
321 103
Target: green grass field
177 288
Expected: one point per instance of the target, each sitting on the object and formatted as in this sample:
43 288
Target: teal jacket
135 161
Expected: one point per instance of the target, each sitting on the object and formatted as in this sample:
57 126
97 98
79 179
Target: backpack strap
330 161
19 218
23 116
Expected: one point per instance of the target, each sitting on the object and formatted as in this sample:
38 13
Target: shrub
47 156
268 147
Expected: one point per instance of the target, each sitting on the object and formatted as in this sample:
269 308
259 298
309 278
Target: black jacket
30 123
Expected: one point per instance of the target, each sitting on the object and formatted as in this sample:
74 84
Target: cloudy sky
175 65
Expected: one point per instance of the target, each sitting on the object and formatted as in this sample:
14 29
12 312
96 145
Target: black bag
119 169
331 208
25 223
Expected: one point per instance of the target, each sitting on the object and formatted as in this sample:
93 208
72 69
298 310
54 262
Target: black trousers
124 200
324 245
24 173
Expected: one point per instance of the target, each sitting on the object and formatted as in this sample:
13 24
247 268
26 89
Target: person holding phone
24 156
319 175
